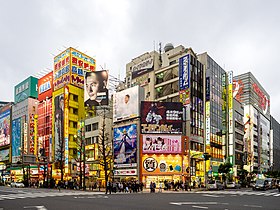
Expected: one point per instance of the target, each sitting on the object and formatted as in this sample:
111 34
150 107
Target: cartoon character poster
125 145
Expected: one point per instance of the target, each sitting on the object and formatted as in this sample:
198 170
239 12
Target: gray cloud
240 35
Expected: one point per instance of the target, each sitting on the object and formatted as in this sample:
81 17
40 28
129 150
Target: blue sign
184 72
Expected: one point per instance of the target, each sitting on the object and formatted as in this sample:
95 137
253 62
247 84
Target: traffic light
206 156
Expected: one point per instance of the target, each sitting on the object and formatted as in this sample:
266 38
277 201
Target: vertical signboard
16 140
184 72
66 124
230 117
58 125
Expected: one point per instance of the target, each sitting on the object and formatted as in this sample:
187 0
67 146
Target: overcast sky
239 35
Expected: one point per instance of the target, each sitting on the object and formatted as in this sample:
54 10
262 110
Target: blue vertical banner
16 139
184 72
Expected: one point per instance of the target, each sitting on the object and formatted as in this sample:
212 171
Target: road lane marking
193 203
200 207
214 196
254 206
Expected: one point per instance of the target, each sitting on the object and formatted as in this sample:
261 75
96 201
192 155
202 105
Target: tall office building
274 145
256 102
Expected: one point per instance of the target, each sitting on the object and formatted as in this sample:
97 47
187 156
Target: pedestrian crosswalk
46 194
241 192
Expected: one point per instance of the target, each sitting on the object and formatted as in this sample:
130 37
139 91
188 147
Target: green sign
25 89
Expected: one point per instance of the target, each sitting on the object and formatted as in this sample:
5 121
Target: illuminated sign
25 89
184 97
161 164
207 113
165 144
66 124
238 90
184 72
208 89
161 117
230 101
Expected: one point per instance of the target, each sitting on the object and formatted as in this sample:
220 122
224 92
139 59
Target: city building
44 151
274 145
256 102
5 142
67 108
24 131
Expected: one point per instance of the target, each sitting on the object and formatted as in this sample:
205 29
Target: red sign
45 87
264 102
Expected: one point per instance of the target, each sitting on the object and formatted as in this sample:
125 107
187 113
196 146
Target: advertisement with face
161 117
5 128
16 139
125 146
96 88
159 164
58 124
4 155
165 144
126 104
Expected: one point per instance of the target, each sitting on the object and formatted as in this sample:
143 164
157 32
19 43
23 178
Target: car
215 185
17 184
233 185
261 184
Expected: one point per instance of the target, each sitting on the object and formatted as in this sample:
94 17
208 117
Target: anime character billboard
125 146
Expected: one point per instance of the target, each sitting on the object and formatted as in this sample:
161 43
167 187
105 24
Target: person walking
160 187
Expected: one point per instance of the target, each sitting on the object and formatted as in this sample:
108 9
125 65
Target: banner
161 117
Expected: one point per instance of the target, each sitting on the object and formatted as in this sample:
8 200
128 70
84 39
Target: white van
215 185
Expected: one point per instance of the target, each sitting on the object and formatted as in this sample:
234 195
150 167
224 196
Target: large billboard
142 68
61 71
161 117
80 63
45 87
126 103
16 140
96 88
58 125
4 155
184 72
164 144
161 164
125 146
5 128
25 89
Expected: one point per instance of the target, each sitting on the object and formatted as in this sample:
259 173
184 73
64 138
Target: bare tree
105 150
60 157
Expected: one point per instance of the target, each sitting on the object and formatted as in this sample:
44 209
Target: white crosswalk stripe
45 194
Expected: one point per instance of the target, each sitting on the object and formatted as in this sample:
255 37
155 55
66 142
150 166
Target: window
95 126
88 128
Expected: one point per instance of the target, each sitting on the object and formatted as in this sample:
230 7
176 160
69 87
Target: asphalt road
46 199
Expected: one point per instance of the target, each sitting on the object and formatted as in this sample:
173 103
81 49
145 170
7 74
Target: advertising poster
96 88
59 124
80 63
161 164
126 104
5 128
184 97
161 117
165 144
125 146
4 155
184 72
16 139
